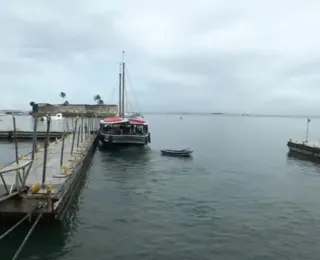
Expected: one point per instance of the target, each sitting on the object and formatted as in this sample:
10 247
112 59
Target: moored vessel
125 128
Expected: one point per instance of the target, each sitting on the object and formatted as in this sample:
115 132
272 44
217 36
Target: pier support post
81 129
67 124
15 138
34 142
78 138
46 144
74 135
62 148
85 131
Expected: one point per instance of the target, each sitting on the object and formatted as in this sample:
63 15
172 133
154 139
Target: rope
113 90
135 99
12 228
20 221
27 237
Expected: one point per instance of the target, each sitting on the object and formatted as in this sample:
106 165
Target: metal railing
20 177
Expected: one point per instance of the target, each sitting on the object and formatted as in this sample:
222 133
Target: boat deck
56 175
312 144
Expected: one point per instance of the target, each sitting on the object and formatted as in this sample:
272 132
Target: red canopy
113 120
137 121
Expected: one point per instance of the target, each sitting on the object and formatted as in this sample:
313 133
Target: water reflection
300 158
304 163
44 243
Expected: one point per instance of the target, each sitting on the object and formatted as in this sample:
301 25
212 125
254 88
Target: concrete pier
52 182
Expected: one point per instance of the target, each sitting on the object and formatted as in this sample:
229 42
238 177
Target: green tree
63 96
97 98
100 102
66 103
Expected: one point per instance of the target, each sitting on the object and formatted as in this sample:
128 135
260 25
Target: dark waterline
239 197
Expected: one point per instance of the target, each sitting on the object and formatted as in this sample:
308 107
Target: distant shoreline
230 114
9 112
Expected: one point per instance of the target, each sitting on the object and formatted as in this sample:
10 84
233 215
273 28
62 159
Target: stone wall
77 109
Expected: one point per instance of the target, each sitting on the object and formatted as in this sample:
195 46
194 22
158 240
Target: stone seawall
74 110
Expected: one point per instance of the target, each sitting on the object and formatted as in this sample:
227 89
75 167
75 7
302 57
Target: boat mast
123 84
120 95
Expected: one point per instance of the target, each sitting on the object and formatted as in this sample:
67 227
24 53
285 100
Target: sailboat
124 128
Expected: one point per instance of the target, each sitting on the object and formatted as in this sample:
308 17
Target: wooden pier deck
56 175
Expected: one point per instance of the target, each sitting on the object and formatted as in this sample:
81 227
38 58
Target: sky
194 55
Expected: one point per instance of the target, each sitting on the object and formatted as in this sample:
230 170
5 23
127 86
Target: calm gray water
239 197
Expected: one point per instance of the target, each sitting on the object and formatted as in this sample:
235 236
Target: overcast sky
243 56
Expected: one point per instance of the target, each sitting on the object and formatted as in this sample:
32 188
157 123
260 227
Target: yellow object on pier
35 188
49 188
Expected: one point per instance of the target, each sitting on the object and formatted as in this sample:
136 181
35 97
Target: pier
40 186
28 135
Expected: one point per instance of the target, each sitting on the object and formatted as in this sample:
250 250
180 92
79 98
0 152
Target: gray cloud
233 56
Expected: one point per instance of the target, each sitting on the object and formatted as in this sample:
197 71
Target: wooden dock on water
49 175
42 184
28 135
25 178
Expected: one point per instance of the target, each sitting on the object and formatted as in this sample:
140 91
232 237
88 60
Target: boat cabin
124 126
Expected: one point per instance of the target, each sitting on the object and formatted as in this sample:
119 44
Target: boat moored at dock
310 149
125 128
124 131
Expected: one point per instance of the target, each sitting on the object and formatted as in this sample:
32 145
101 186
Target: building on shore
71 110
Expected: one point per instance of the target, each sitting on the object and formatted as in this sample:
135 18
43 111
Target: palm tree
100 102
62 95
97 98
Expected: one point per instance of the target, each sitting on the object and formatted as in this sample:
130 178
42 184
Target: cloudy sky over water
194 55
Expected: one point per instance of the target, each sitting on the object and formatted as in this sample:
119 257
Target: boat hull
124 140
182 153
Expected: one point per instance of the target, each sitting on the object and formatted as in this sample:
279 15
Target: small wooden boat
183 152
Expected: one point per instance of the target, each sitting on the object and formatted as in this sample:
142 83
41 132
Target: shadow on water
304 162
127 155
300 158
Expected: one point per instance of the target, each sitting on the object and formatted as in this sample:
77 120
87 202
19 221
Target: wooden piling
62 149
46 144
74 135
15 139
